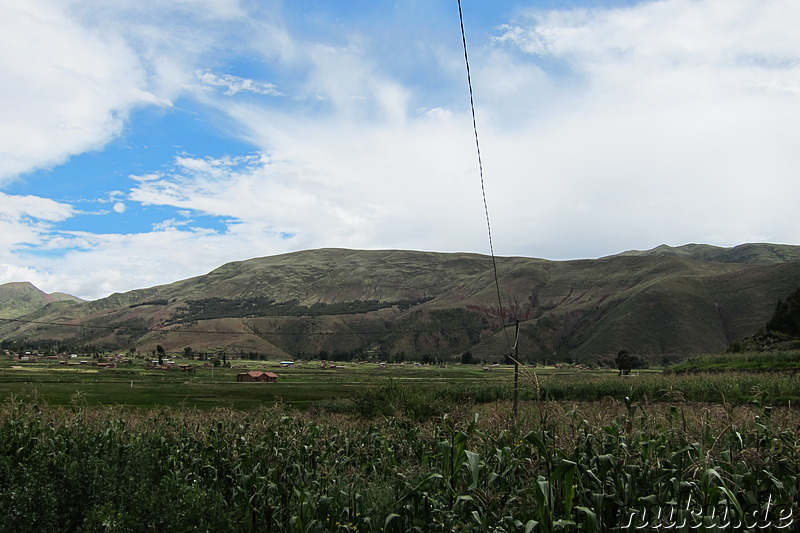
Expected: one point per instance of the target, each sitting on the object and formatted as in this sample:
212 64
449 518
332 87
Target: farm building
257 376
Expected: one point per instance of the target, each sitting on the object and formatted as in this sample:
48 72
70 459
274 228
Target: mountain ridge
409 304
18 298
743 253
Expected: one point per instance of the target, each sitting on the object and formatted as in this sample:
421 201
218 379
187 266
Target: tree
466 358
626 362
786 318
188 353
160 352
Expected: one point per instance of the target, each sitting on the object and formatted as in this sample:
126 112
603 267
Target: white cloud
235 84
106 263
152 176
10 273
601 130
15 208
351 84
28 221
672 129
338 185
73 70
168 224
66 88
665 124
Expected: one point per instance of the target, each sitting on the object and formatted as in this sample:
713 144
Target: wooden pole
516 369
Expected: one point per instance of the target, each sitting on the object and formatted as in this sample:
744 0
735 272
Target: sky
148 141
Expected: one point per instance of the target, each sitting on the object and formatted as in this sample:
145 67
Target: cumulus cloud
601 130
15 208
10 273
74 70
363 187
26 222
622 129
670 132
107 263
71 93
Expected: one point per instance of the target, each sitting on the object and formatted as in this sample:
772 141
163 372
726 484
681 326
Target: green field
308 385
396 448
751 362
209 387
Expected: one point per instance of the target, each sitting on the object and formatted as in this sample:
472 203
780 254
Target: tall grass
557 467
732 387
391 398
749 361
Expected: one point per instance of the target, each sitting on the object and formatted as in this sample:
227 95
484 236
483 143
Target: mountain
744 253
20 298
392 304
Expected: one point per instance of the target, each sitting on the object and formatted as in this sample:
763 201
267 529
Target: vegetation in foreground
779 361
427 449
601 466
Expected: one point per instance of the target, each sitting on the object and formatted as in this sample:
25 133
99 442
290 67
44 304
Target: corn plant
581 466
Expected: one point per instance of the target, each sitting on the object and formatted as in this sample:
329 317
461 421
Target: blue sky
144 141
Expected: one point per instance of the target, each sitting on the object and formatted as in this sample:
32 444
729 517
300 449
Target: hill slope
395 304
20 298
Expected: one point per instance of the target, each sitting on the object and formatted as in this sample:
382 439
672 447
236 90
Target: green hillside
394 304
20 298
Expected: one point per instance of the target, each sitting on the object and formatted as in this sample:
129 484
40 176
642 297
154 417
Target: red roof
259 373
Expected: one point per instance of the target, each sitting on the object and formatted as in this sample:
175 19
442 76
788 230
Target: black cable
480 169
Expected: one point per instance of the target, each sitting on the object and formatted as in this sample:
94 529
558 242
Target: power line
480 166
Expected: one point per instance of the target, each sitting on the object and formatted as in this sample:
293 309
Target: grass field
400 448
209 387
754 362
308 385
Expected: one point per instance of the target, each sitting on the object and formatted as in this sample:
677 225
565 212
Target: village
125 362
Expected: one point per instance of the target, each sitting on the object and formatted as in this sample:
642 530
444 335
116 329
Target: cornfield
584 466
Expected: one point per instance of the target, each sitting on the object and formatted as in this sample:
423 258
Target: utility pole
516 369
